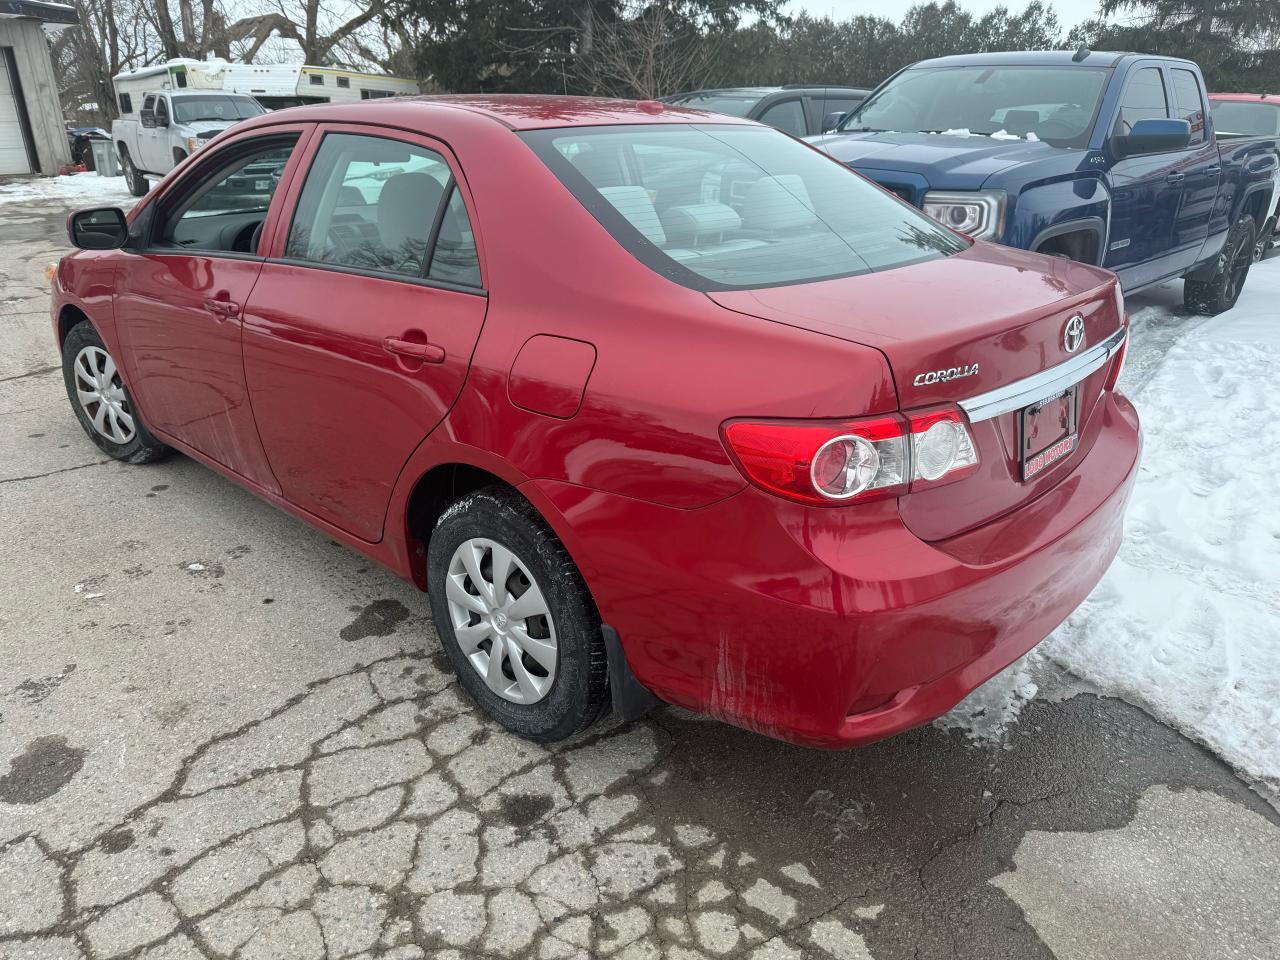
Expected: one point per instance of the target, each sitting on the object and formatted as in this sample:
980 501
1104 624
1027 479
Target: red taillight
942 449
827 462
1117 364
821 461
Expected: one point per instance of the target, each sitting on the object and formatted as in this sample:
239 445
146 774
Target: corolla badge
1073 334
942 376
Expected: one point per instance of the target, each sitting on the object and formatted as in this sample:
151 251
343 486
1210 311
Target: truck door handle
424 352
1213 171
1175 178
223 308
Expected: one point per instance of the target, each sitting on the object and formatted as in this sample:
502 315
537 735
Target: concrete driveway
223 735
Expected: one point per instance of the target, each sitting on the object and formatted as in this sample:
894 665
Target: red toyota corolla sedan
649 402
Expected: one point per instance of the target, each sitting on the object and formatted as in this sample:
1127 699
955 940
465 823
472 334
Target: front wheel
101 401
515 617
1220 293
135 181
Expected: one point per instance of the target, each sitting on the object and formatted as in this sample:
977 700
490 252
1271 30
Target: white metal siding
13 148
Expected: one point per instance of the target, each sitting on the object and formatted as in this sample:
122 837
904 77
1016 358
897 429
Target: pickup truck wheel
515 617
1266 239
1219 294
135 181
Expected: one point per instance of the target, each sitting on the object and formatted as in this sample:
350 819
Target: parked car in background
799 109
1251 116
649 401
1105 158
156 131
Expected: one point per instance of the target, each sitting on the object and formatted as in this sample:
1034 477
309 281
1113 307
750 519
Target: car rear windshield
212 107
1056 104
724 207
1240 118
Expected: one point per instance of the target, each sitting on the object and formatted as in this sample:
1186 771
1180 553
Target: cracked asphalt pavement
224 736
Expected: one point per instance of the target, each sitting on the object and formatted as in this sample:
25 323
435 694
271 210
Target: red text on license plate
1049 456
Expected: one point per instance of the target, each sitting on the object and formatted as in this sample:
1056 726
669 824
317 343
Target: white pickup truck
158 130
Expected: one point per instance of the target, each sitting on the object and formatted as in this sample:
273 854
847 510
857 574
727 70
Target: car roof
1272 98
512 110
1023 58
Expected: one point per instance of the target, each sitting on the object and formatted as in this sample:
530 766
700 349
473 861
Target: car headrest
599 167
689 223
638 210
349 196
1020 122
777 203
407 208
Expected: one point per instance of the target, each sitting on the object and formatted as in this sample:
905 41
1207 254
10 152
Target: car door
181 302
1144 203
359 333
1197 175
147 133
159 158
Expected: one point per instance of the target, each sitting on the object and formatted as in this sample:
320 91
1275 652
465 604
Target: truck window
787 116
1144 99
126 103
1186 94
162 112
192 109
1240 118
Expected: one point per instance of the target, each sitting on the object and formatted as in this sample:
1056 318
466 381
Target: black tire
142 447
135 181
1220 293
578 694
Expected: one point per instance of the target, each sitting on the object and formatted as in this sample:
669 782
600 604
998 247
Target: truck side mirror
1153 135
832 121
98 228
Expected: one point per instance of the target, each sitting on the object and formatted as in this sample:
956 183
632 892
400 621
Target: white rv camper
272 85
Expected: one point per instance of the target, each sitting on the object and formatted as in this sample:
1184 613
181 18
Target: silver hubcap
501 621
101 395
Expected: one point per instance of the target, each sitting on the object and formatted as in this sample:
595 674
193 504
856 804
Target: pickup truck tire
135 181
1221 292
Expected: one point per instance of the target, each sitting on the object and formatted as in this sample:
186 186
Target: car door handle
426 352
1175 178
1213 171
223 308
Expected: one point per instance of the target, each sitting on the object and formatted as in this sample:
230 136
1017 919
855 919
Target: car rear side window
1241 118
1186 93
787 116
377 204
1144 99
720 207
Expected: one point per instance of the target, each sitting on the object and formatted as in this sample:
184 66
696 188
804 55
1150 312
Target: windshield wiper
863 130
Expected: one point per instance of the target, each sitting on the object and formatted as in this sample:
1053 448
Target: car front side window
228 206
1144 99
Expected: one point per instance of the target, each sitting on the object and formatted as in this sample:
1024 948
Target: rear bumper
835 627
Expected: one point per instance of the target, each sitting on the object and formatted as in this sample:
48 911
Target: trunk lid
955 328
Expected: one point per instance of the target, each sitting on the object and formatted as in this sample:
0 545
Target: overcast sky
1070 12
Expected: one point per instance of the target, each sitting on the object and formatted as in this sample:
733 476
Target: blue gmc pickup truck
1106 158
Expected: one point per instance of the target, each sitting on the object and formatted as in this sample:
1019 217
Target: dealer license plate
1048 432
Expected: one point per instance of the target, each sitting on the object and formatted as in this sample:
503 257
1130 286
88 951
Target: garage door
13 147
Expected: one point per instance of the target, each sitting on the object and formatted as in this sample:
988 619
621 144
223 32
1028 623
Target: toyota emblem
1073 334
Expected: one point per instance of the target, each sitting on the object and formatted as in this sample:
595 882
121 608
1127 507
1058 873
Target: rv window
317 80
126 103
344 82
181 77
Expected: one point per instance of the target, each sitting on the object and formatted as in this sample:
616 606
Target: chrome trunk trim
1038 386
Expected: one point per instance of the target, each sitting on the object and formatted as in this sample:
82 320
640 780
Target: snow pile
986 714
1003 134
77 190
1187 622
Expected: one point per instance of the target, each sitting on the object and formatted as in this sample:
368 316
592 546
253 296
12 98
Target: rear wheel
515 617
101 401
1222 291
1266 240
135 181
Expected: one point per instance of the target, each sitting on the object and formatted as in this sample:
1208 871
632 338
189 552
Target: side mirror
1154 135
99 228
832 121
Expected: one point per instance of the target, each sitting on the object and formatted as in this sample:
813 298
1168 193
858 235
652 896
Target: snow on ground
76 190
1186 623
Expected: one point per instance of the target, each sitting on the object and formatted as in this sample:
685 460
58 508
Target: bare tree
648 50
111 37
324 29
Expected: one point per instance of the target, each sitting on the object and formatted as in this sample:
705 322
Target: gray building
33 138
